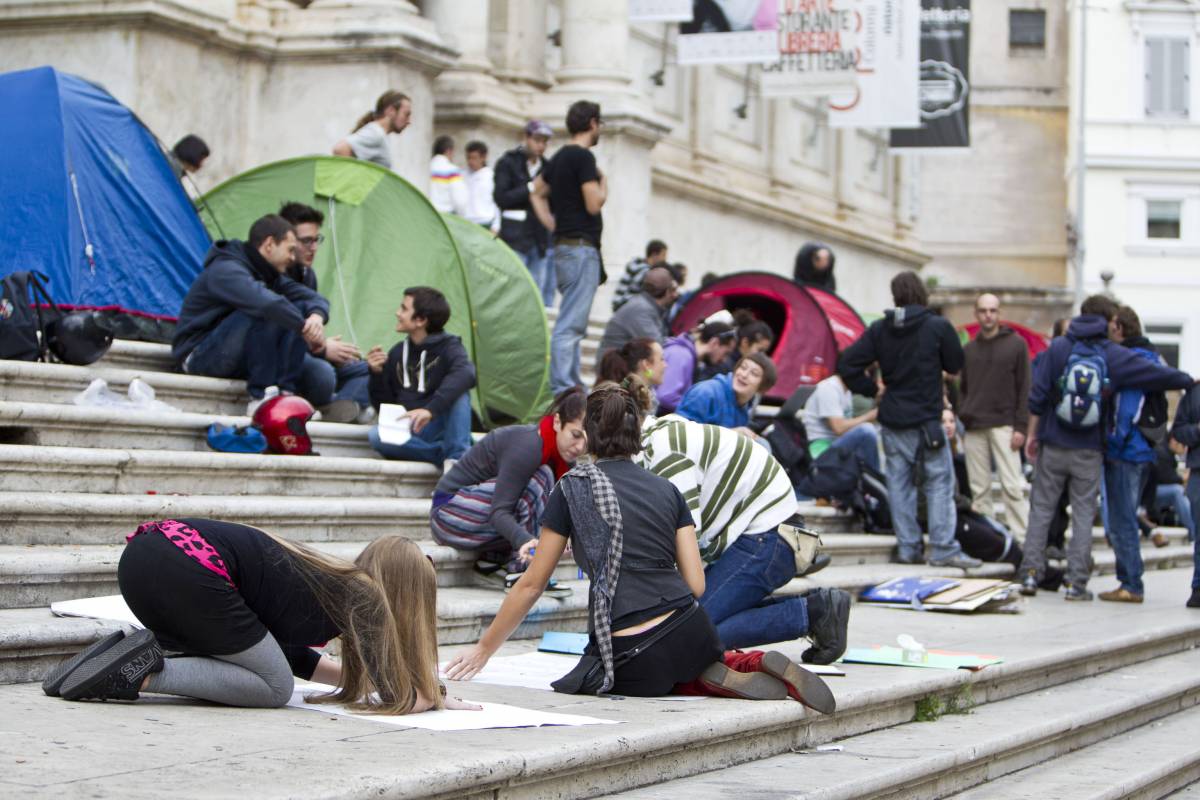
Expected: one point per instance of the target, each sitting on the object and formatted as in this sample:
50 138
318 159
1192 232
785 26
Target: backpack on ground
834 474
789 446
872 503
1152 419
22 323
1082 386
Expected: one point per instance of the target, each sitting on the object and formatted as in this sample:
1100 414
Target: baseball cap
536 127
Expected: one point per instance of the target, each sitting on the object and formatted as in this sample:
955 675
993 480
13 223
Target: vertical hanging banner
818 49
944 75
887 94
660 10
730 32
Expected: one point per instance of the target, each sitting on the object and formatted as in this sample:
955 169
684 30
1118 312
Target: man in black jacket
913 347
1186 431
429 373
244 318
519 226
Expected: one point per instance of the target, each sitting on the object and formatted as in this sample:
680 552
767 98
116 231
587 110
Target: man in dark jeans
337 366
913 347
520 228
244 318
1186 431
567 197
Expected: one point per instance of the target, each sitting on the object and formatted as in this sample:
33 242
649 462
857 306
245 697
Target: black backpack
872 503
21 321
1152 420
789 446
835 474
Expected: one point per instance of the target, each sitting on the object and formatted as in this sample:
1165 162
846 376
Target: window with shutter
1027 29
1168 73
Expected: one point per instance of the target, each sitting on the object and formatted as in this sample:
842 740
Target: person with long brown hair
244 608
642 357
632 533
368 140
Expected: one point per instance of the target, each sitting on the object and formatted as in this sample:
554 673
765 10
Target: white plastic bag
139 396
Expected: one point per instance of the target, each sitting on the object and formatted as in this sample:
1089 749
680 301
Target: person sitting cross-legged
243 317
430 374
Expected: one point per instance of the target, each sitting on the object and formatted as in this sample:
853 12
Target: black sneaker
1029 584
828 632
117 673
54 680
1077 594
1194 600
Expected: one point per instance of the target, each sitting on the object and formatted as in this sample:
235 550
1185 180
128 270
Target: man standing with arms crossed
519 226
994 408
567 197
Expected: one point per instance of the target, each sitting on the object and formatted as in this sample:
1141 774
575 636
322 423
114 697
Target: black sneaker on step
117 673
828 631
54 680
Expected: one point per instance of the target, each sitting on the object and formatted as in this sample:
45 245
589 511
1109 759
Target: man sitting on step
430 374
243 317
335 375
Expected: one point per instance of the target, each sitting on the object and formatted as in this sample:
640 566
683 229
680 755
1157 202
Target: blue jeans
1172 495
321 383
862 441
1193 496
578 272
900 446
446 436
1124 481
261 352
541 269
738 587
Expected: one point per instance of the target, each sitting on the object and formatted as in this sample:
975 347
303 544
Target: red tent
811 325
1035 341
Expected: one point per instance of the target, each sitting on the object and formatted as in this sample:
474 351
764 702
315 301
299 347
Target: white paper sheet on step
492 715
110 607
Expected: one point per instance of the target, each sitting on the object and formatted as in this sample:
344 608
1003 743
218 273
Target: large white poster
730 32
818 49
887 94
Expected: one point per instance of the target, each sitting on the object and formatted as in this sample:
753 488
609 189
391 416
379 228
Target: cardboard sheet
108 607
938 659
492 715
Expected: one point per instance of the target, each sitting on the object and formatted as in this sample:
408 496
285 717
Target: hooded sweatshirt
713 402
809 275
913 346
680 354
1126 370
237 278
995 382
1186 427
430 375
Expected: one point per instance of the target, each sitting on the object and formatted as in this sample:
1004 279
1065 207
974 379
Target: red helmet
282 420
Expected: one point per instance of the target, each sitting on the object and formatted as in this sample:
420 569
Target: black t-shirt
652 510
566 173
273 588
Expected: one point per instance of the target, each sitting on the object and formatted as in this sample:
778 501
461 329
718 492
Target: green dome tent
382 236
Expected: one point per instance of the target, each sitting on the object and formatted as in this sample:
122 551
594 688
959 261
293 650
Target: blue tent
90 199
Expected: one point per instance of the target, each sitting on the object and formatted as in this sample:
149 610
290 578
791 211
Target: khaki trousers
983 446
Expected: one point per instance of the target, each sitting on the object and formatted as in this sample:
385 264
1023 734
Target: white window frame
1138 197
1167 21
1186 113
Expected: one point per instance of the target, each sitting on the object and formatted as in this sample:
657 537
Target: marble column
595 40
518 42
464 25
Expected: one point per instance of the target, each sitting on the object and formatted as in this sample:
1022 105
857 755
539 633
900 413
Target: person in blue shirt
728 400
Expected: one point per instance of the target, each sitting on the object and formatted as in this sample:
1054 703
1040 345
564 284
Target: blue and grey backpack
1082 386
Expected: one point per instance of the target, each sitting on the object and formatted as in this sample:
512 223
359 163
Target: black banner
945 77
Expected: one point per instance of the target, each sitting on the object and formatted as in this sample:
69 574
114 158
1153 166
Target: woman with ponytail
368 140
243 608
632 533
491 502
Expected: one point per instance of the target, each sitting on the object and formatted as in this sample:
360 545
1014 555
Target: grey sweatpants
258 677
1081 470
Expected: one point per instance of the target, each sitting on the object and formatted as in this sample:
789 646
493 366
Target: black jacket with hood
1186 428
511 193
809 275
237 278
913 347
430 375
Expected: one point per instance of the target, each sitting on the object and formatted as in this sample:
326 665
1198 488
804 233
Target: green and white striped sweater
732 485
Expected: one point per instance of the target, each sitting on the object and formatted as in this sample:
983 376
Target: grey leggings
258 677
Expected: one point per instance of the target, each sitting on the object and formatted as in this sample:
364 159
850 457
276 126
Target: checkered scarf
596 519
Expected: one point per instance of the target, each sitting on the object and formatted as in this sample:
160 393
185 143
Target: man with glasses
335 376
567 198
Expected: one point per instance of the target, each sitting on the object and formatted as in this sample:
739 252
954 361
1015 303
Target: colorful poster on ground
945 78
730 32
660 10
887 93
818 49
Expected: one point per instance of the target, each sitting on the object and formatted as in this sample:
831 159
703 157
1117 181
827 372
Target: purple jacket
680 354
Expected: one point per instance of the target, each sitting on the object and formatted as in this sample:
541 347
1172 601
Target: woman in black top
245 611
632 533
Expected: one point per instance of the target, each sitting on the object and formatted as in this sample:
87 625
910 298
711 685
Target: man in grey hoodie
244 318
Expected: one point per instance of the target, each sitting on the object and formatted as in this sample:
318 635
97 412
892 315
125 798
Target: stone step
224 750
57 425
977 744
1145 763
31 468
1186 793
38 576
61 383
